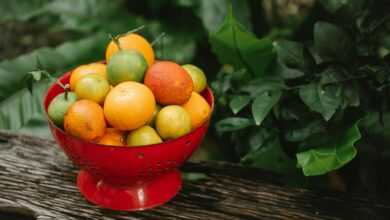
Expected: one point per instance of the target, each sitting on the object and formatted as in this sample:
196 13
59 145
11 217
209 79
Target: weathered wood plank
36 179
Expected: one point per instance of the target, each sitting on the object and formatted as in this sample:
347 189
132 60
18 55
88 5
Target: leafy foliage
235 45
322 100
20 109
287 106
334 153
290 112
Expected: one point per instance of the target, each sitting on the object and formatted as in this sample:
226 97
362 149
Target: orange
83 70
198 77
169 82
113 137
85 120
132 41
129 105
172 122
93 87
144 135
198 108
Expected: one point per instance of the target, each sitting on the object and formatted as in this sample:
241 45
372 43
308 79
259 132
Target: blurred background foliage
65 34
266 61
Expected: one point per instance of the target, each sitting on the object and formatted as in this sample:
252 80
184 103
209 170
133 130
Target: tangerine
85 120
169 82
198 109
129 105
198 77
113 137
144 135
172 122
92 87
83 70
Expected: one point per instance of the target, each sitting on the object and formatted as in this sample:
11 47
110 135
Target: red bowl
127 178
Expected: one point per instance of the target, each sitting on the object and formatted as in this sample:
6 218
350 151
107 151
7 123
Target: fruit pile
133 100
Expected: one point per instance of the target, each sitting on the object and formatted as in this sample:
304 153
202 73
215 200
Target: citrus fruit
129 105
59 105
113 137
153 119
126 65
169 82
198 77
144 135
85 120
132 41
172 122
83 70
92 87
198 109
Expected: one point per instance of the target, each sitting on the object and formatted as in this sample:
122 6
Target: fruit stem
116 40
66 88
160 40
117 37
135 30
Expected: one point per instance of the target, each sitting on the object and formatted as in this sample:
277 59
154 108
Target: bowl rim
62 131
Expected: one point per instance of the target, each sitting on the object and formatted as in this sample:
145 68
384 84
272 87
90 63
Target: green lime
58 107
126 65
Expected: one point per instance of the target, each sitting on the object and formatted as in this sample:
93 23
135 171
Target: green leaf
233 124
239 102
332 74
21 111
263 104
332 42
234 45
301 133
351 96
80 16
346 9
258 138
271 157
333 5
324 100
332 155
293 55
258 86
176 36
21 10
376 125
249 140
66 55
212 13
21 108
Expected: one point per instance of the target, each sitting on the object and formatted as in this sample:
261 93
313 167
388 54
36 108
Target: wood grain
37 180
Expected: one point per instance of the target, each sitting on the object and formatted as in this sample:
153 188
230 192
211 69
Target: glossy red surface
127 178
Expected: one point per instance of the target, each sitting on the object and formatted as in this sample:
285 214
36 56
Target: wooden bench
37 180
